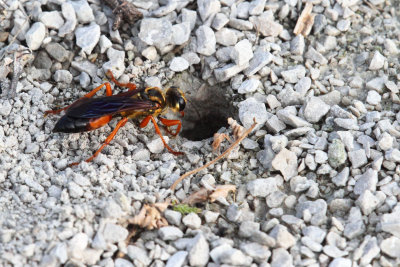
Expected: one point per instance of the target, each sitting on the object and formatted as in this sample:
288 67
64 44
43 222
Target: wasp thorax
175 99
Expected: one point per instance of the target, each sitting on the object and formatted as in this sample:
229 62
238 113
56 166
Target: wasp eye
182 103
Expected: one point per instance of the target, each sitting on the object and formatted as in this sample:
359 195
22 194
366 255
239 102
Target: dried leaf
139 218
150 217
162 206
221 191
305 22
197 197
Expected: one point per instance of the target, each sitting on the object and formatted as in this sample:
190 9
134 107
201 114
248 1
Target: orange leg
106 142
170 123
131 86
146 121
88 95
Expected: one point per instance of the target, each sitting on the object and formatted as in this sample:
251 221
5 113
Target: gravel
316 180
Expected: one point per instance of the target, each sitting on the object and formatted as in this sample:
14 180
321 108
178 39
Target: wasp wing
110 105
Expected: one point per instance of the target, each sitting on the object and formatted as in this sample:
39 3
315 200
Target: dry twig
226 152
204 194
306 21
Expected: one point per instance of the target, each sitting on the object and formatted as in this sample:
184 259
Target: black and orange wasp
89 113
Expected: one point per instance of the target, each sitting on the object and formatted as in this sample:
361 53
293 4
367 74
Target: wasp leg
170 123
88 95
146 121
106 142
131 86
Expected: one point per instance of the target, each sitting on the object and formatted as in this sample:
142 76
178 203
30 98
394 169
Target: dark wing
110 105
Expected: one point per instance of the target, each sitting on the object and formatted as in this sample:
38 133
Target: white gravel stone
177 260
208 8
192 220
83 11
157 32
249 86
286 163
391 47
294 75
77 245
367 202
262 187
178 64
366 181
150 53
87 37
198 251
249 109
242 52
266 25
316 56
228 71
104 43
358 158
377 61
51 19
181 33
120 262
35 35
114 233
206 40
376 84
390 246
173 217
228 255
226 37
281 258
220 20
340 262
138 255
170 233
303 86
63 76
315 109
156 145
68 13
373 98
283 237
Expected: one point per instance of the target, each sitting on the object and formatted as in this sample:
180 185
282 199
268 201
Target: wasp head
175 99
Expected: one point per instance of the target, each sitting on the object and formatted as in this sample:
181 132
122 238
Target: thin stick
226 152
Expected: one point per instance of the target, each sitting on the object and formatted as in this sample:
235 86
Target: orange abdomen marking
99 122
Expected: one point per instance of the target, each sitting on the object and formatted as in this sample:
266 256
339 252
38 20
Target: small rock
198 251
228 71
87 37
376 84
341 178
390 246
170 233
178 64
286 163
242 52
250 109
377 61
314 55
104 43
358 158
206 40
57 52
373 97
267 26
63 76
156 146
336 153
192 220
136 253
294 75
207 8
297 45
173 217
258 252
83 11
226 37
51 19
391 47
281 258
315 109
177 260
120 262
35 35
220 20
157 32
262 187
114 233
249 86
181 33
283 238
366 181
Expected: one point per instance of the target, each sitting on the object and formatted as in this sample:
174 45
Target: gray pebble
56 51
63 76
258 252
358 158
198 251
177 260
138 254
192 220
315 109
286 163
377 61
51 19
226 37
366 181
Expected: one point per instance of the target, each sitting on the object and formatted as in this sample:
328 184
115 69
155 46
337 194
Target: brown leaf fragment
218 139
123 10
150 216
197 197
306 21
221 191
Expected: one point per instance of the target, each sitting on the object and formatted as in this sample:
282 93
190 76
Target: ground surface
317 182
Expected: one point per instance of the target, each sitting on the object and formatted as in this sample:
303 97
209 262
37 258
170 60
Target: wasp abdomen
68 124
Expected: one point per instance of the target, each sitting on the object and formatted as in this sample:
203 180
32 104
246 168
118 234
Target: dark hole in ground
208 107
